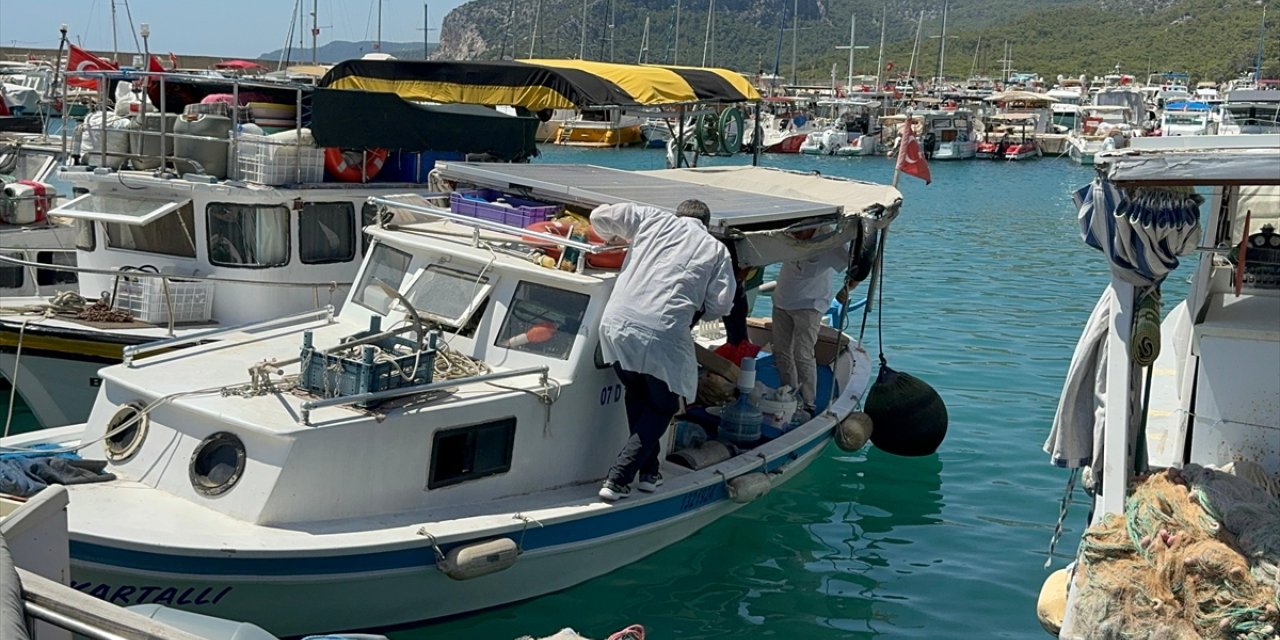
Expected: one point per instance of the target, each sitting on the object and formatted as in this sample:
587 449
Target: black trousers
650 408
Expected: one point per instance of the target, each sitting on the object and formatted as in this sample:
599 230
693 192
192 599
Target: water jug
740 420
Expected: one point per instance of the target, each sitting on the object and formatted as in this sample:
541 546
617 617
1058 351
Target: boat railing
519 233
391 394
87 616
168 279
136 350
106 80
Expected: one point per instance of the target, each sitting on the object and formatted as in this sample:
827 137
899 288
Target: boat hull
789 144
299 593
57 371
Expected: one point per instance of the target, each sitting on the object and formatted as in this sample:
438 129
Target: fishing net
1195 555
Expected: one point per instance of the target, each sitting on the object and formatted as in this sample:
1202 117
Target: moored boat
467 475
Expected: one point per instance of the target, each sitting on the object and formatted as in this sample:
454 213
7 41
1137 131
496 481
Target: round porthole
217 464
125 432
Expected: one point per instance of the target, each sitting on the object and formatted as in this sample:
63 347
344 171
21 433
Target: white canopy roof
1196 160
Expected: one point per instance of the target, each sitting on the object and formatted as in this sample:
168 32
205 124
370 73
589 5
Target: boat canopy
542 84
1196 160
361 119
1021 96
1187 105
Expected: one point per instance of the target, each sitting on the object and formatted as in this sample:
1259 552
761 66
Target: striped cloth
1142 231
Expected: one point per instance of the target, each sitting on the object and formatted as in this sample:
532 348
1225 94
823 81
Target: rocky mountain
1211 39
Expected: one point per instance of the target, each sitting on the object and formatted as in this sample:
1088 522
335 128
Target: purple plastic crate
521 212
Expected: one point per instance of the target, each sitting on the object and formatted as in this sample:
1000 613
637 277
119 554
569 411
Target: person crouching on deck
675 273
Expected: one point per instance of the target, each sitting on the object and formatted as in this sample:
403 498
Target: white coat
673 269
806 284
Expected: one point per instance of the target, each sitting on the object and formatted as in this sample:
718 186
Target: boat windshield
447 296
543 320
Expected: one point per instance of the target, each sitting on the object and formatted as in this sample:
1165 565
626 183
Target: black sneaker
611 492
649 484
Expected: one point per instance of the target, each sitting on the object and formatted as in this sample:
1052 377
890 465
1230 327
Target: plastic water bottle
740 420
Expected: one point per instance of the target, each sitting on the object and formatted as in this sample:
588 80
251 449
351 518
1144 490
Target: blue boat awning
1142 230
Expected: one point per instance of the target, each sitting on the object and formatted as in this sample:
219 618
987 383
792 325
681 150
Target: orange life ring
605 260
344 164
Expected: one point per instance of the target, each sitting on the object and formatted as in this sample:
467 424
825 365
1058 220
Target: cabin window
217 463
50 277
326 232
250 236
170 234
468 453
12 276
448 296
85 239
387 266
543 320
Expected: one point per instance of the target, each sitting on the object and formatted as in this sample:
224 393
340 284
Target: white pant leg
783 359
804 341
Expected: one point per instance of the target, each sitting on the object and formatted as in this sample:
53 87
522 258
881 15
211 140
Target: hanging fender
346 164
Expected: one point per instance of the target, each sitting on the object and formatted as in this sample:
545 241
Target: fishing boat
783 127
464 473
948 134
191 242
1102 127
1171 425
1186 118
854 130
602 128
1010 136
28 192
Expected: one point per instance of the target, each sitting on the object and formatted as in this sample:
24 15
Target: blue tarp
25 473
1187 105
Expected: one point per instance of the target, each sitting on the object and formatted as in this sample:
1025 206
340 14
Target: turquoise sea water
987 287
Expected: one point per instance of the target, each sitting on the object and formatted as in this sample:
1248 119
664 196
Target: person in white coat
675 273
802 295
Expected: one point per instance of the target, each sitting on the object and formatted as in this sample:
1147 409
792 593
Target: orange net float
605 260
354 165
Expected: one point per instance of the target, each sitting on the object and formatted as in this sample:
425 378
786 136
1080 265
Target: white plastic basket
265 161
191 300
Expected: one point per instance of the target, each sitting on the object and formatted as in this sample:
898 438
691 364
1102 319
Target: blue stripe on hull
607 523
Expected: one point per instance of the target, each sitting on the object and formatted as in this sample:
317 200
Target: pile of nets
1195 555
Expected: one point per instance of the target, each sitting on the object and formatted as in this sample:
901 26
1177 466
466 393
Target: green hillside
1211 39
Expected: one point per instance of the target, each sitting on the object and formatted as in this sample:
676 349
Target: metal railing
136 350
389 394
497 227
83 614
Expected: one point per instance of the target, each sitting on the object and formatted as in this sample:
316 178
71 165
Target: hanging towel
1144 345
1076 437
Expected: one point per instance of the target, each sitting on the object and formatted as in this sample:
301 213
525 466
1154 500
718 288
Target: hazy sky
231 28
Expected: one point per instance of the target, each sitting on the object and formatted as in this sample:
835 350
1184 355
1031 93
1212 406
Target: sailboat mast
582 48
942 48
675 51
115 41
1262 42
612 25
377 46
706 39
911 68
644 43
537 17
973 68
795 39
884 17
853 26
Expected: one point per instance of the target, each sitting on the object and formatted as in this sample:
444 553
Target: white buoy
482 558
853 432
748 487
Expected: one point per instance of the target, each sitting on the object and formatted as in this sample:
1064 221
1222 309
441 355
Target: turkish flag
910 157
80 60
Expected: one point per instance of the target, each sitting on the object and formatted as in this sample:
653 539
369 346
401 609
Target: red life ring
344 164
606 260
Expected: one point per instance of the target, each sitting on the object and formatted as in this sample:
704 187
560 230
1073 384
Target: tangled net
1194 556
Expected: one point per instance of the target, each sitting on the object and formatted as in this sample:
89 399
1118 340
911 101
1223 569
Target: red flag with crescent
80 60
910 157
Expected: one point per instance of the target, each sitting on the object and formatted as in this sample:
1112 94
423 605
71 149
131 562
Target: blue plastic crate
480 203
331 375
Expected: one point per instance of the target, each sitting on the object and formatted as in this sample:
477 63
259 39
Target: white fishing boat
464 475
234 229
1187 118
1174 422
29 191
1102 128
854 129
948 134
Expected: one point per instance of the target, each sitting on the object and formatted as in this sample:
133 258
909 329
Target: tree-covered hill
1211 39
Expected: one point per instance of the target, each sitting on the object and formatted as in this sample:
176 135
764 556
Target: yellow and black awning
543 84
